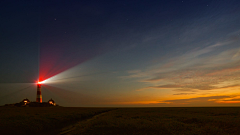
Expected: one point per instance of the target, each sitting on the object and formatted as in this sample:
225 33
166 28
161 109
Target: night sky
121 53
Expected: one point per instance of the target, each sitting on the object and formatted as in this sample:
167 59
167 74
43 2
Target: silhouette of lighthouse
39 93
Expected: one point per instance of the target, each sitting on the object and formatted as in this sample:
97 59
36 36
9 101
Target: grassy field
32 120
176 121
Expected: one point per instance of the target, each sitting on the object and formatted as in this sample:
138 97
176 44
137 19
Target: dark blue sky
133 53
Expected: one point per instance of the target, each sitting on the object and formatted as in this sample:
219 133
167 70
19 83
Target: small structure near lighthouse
25 101
52 102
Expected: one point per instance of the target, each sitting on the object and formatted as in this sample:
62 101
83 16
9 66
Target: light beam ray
81 76
10 94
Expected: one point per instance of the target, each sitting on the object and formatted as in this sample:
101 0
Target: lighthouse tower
39 93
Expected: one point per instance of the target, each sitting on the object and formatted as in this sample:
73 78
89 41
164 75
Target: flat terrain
64 120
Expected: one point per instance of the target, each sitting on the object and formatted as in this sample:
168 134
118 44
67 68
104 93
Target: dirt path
67 130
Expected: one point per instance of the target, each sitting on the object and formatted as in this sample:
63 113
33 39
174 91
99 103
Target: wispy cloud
236 55
204 68
198 99
184 93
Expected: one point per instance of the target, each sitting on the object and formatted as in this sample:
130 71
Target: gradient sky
121 53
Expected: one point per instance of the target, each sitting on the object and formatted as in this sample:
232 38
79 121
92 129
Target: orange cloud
225 71
139 102
227 102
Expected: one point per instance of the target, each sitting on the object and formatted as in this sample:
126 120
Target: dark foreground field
63 120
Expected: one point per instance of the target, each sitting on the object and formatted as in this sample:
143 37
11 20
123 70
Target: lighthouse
39 93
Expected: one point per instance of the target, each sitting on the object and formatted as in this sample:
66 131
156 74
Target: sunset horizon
121 53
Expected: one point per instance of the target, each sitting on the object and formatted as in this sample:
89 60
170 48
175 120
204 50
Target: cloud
134 71
237 99
152 80
208 49
205 101
228 102
208 65
232 100
191 88
184 94
236 55
138 102
185 74
165 86
198 99
225 71
184 86
185 90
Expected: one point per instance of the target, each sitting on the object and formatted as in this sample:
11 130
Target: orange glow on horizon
227 102
139 102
